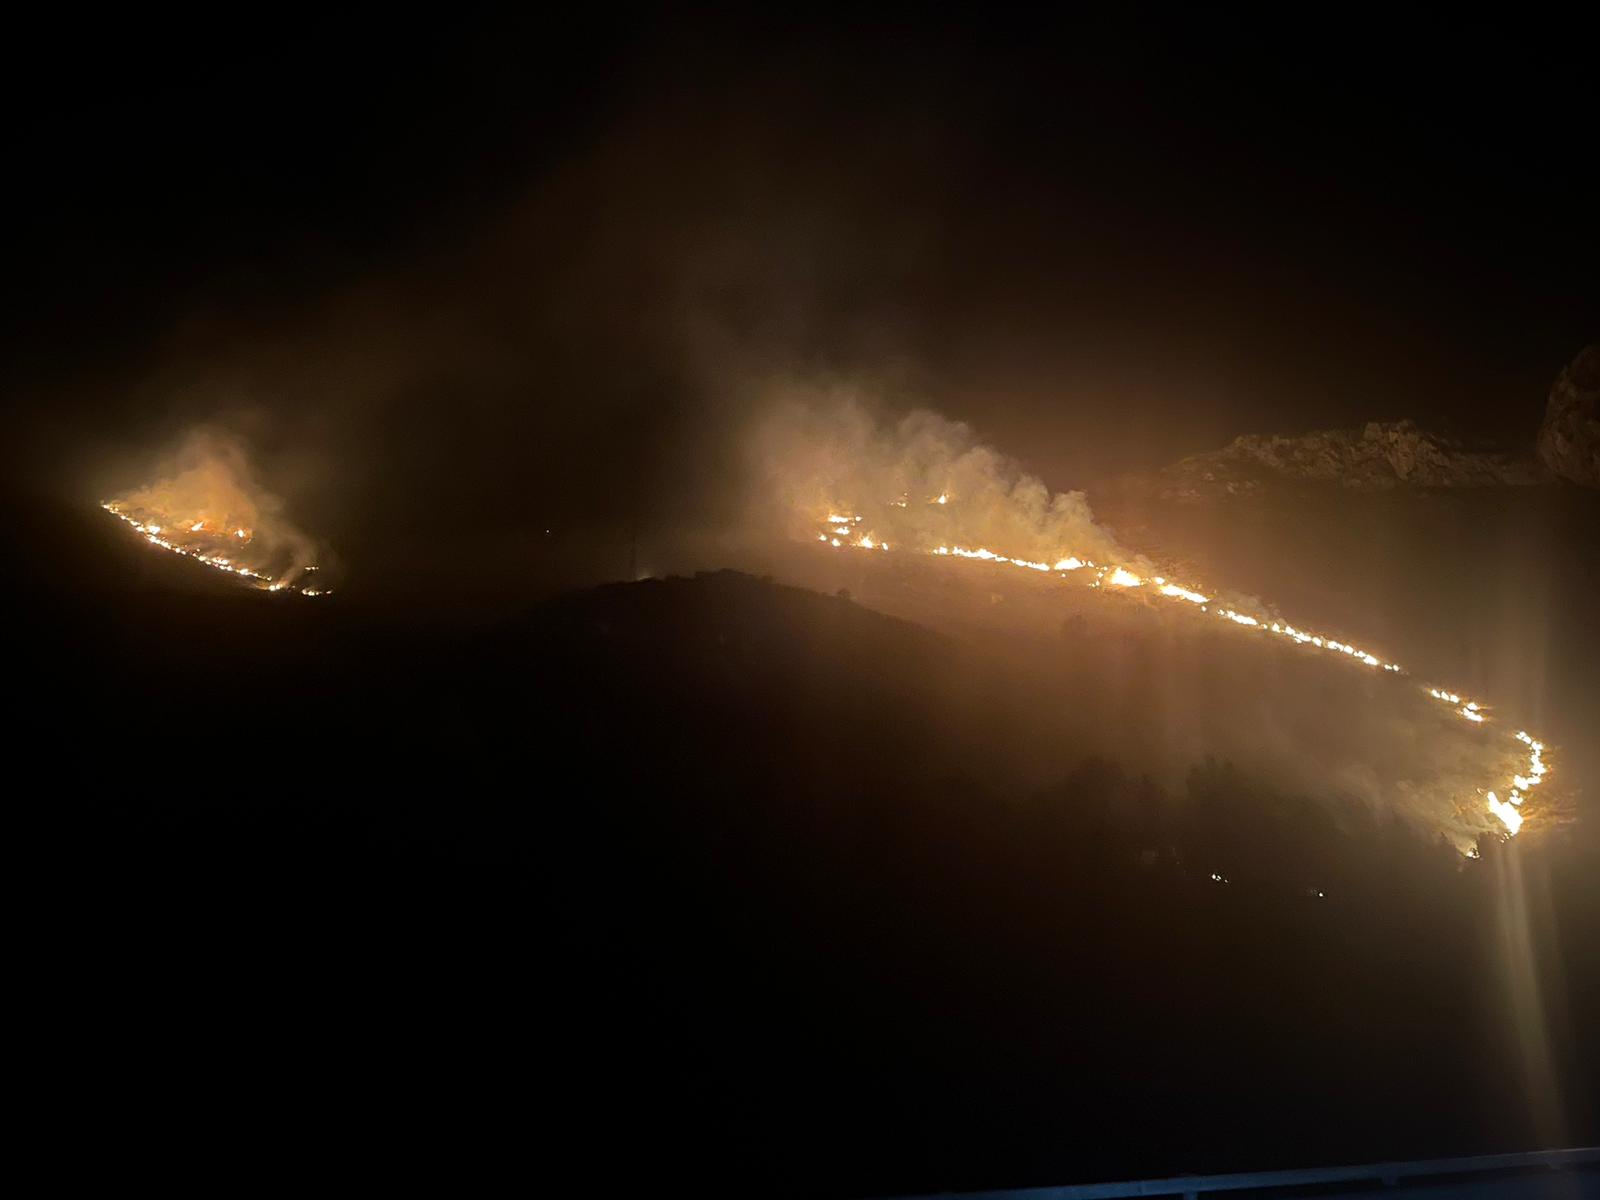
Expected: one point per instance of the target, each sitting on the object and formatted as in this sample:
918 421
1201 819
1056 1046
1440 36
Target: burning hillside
1524 766
212 510
926 487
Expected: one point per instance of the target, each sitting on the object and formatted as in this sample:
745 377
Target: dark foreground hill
715 883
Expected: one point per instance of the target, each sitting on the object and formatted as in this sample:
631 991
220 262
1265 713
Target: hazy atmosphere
849 607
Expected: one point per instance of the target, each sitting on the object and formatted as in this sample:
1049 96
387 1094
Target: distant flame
1510 814
203 550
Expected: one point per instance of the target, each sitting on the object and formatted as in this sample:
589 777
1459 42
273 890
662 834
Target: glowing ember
1510 817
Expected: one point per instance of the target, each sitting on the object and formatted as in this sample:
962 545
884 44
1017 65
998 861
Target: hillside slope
718 859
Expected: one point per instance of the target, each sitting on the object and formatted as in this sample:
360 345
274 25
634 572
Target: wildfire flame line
153 534
840 531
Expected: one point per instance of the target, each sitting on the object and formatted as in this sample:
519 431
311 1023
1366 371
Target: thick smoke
919 481
211 486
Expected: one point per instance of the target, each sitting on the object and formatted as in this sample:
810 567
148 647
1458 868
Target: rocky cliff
1569 439
1390 454
1378 456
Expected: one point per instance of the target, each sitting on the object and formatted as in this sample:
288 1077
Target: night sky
1110 243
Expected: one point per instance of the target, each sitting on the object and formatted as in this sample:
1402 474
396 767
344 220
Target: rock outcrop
1569 439
1379 456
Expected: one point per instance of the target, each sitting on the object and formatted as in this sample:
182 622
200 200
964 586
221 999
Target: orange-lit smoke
916 483
924 485
211 508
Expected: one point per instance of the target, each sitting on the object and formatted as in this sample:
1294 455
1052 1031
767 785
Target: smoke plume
918 481
211 495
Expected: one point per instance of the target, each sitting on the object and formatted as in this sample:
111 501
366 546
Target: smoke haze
554 339
210 491
741 293
918 481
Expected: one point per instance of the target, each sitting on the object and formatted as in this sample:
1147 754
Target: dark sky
525 261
